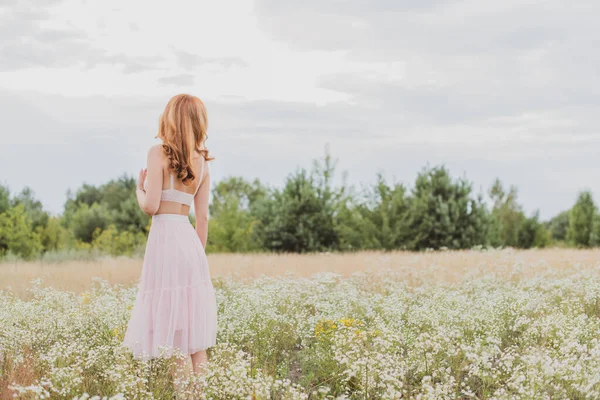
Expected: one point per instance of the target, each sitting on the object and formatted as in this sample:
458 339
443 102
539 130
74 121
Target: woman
175 309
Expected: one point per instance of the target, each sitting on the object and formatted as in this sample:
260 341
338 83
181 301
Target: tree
129 216
581 220
118 199
87 194
232 216
33 208
115 192
53 236
4 198
111 241
246 193
378 220
17 235
87 219
506 217
533 234
595 235
443 213
300 217
559 225
232 231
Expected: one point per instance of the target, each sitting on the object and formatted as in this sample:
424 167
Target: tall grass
416 268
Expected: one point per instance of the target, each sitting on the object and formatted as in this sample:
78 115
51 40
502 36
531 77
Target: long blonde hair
182 128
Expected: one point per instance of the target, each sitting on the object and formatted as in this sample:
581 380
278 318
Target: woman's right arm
149 198
201 207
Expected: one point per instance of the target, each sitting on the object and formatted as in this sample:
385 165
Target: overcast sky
506 89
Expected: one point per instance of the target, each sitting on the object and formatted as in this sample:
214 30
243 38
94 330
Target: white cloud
492 89
36 36
178 80
190 61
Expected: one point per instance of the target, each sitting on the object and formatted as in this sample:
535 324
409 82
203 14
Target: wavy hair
182 128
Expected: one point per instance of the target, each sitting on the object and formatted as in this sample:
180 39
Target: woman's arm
201 207
149 199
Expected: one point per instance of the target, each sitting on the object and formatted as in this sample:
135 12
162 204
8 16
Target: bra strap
171 179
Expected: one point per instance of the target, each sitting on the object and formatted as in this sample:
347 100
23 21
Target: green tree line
307 214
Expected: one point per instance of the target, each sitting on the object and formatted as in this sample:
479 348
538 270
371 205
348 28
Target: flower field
526 331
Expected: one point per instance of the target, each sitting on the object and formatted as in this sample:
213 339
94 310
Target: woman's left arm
149 199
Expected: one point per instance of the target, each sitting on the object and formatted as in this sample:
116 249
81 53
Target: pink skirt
175 307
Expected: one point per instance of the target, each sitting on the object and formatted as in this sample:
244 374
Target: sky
489 89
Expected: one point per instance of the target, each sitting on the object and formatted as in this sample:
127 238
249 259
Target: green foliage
33 208
232 221
245 194
111 241
87 194
53 236
129 216
509 226
17 235
595 235
533 234
4 198
559 225
86 219
116 192
581 220
117 197
444 214
232 231
308 214
378 220
506 217
301 217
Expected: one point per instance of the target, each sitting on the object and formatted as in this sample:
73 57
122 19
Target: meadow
501 324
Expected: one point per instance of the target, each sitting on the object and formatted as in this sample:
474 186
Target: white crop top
179 196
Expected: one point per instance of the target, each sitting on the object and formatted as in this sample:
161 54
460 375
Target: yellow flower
324 328
85 297
348 322
115 332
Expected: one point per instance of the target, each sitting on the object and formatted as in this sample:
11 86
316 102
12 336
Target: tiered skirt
175 307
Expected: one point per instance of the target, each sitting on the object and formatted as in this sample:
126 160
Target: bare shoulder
156 154
155 151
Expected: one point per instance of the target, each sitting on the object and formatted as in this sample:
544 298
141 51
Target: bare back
170 207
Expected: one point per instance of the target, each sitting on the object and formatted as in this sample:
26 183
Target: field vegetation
374 325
